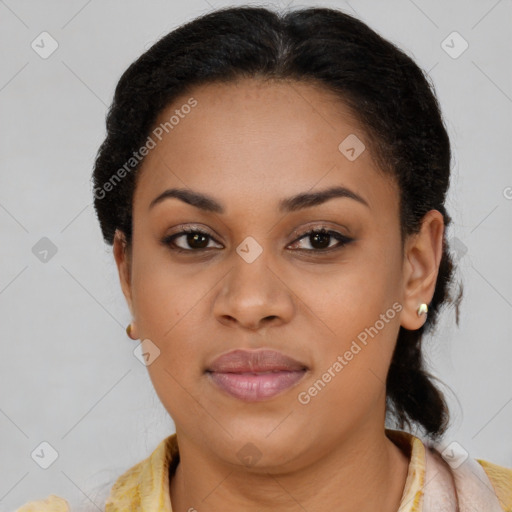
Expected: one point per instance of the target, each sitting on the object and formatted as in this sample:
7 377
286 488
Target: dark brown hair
388 93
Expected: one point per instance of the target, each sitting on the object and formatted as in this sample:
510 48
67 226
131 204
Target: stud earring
422 309
129 331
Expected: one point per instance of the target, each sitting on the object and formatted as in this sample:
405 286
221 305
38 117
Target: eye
197 240
321 240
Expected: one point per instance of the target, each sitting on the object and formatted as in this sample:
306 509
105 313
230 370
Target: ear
123 262
422 256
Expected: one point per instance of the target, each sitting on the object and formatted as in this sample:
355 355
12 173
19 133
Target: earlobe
422 256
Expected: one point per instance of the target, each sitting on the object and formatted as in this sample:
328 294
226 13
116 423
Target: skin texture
248 145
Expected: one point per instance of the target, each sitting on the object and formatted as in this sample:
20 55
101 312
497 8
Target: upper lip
242 361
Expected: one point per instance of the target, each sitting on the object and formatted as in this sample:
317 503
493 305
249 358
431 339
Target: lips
254 361
255 375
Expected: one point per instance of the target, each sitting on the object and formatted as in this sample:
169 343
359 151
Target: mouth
254 376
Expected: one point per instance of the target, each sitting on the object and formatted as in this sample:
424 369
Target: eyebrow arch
291 204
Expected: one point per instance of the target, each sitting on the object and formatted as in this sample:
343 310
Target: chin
262 448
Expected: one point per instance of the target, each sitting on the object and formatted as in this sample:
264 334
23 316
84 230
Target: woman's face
254 281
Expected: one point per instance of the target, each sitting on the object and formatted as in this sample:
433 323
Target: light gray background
68 373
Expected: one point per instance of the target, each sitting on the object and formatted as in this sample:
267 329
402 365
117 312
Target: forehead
251 143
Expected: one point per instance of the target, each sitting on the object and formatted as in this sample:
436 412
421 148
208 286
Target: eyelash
342 240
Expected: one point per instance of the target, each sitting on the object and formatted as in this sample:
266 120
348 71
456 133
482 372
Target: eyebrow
290 204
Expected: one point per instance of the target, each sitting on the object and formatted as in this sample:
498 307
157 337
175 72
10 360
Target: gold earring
422 309
129 331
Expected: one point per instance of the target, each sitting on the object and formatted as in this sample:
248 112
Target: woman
274 192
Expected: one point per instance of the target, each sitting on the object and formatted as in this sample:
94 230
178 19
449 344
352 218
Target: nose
254 296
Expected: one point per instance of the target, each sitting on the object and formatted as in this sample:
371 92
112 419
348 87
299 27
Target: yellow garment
145 486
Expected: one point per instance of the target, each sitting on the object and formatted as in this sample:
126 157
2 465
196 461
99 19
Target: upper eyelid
295 232
318 228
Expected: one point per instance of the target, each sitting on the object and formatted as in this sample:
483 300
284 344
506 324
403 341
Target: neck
366 472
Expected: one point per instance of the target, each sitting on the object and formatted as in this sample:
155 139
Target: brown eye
194 239
320 240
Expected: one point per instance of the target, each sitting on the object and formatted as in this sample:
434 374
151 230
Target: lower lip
256 387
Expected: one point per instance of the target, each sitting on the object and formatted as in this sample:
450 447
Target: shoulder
501 480
52 503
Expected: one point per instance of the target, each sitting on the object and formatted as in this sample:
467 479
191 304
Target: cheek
159 296
168 309
358 321
350 299
175 371
158 310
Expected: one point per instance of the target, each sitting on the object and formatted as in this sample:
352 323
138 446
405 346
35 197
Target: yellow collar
145 486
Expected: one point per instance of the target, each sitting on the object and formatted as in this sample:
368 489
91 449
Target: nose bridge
251 278
252 293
